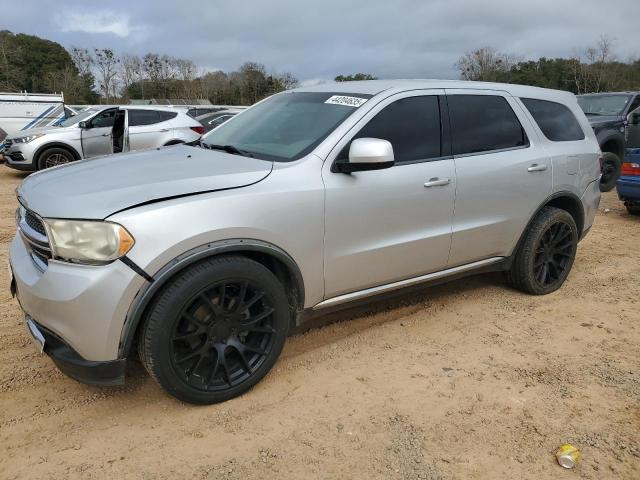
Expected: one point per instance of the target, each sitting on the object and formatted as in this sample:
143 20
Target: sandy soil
466 380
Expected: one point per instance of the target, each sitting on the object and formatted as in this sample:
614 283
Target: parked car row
615 118
100 131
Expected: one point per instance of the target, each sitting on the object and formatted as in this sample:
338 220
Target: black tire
611 166
633 209
215 330
54 156
545 256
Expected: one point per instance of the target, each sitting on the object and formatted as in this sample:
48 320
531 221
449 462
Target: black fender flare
617 138
65 146
550 200
160 278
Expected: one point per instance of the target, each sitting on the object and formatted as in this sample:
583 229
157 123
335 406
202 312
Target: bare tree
484 64
107 65
82 59
592 68
130 71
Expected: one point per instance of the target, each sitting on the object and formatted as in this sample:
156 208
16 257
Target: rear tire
52 157
611 166
215 330
545 257
633 209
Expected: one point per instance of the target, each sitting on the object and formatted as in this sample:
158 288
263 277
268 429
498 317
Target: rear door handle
537 168
164 130
437 182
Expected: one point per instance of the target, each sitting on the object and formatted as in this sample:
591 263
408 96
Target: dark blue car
629 181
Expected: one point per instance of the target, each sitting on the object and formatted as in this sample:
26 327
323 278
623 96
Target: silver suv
202 259
100 131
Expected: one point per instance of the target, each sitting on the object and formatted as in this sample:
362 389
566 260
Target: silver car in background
101 131
202 259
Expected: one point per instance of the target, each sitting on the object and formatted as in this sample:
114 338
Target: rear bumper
70 362
629 189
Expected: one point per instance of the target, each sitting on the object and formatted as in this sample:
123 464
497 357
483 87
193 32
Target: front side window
143 117
482 123
554 119
104 119
411 124
286 126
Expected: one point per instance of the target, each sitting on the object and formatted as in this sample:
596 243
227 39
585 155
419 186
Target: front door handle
537 168
437 182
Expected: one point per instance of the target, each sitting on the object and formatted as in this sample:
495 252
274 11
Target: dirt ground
467 380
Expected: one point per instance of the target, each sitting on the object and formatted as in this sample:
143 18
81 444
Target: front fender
160 278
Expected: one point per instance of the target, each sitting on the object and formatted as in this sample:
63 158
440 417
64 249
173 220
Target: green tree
355 77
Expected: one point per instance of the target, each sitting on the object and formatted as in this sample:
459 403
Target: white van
22 111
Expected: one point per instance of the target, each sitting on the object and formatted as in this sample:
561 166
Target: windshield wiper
229 149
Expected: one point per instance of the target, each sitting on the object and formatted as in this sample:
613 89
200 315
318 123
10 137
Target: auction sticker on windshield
347 101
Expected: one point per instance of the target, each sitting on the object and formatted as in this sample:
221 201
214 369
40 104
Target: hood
95 189
49 129
600 119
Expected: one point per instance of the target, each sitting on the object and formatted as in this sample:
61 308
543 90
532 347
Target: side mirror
83 124
634 118
367 154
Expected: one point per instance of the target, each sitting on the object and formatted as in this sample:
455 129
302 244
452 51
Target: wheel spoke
257 350
253 300
186 336
189 356
253 320
240 299
213 308
241 348
191 319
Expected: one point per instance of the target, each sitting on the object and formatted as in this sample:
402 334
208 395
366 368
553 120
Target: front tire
215 330
545 257
52 157
611 166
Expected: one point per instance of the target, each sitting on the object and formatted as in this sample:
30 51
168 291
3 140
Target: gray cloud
315 40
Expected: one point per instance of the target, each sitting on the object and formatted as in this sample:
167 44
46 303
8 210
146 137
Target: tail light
199 129
629 168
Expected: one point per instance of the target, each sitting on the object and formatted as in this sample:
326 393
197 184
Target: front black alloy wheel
215 330
546 253
223 335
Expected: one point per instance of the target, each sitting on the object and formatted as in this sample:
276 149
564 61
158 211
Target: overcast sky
320 39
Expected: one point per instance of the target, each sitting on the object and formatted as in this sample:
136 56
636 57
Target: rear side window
412 125
164 116
143 117
555 120
482 123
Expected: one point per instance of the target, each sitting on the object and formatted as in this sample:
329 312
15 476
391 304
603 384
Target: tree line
101 75
594 69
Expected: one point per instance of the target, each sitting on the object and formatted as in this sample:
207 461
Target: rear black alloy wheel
554 254
546 253
215 329
223 335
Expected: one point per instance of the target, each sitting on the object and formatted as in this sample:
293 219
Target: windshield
603 104
76 118
287 126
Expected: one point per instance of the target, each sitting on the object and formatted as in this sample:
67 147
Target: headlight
27 138
88 242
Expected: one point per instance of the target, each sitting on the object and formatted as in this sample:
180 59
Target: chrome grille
34 222
34 236
7 143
